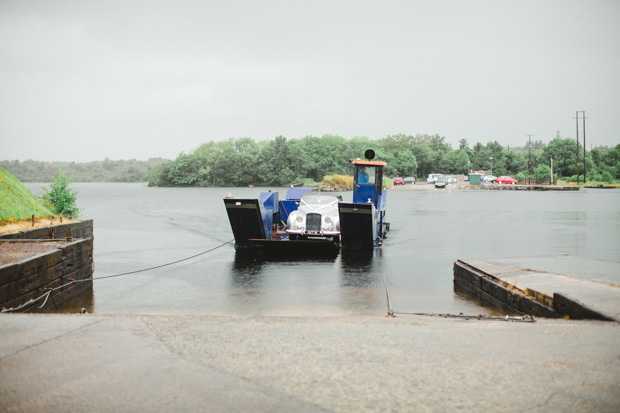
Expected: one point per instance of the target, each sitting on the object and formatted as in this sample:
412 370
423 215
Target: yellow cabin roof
370 163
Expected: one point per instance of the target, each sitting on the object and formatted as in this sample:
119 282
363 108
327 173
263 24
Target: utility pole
583 113
530 157
584 145
577 139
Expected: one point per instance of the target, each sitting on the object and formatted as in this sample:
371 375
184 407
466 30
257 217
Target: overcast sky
85 80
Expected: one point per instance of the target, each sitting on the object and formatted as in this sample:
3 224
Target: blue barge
262 222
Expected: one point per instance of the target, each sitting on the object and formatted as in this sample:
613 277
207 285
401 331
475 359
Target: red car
506 180
399 181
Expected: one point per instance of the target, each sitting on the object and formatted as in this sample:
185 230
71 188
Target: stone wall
494 292
59 271
82 229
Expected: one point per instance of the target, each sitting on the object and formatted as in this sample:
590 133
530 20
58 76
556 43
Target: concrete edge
506 296
577 310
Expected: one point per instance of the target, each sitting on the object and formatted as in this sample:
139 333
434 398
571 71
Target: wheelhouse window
365 174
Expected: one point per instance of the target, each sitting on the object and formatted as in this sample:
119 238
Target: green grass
17 202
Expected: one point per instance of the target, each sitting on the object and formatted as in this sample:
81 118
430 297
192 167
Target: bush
607 177
542 171
61 198
336 182
574 178
306 182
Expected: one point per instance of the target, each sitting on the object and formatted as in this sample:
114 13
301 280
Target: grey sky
84 80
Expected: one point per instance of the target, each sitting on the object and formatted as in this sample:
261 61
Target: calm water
138 227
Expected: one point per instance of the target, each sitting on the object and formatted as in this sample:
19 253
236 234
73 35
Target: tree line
98 171
282 161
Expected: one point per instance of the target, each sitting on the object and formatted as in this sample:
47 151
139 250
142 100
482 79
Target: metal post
529 171
584 146
577 138
551 171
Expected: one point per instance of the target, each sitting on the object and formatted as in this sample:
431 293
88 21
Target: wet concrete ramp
557 286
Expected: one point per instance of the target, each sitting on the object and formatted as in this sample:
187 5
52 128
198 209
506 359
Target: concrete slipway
128 363
558 286
53 362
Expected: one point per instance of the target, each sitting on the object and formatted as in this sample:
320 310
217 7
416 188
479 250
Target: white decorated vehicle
432 178
317 216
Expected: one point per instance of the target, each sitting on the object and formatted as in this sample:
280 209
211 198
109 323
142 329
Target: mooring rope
49 291
158 266
390 312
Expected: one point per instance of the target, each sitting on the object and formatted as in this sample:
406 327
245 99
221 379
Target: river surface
137 227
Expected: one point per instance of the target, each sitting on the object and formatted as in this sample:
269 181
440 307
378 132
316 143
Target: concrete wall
500 295
82 229
29 279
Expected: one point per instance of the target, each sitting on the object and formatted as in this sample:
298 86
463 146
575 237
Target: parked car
399 181
489 178
450 179
410 180
440 182
506 180
432 177
317 216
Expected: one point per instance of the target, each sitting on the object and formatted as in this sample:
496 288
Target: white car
317 216
489 178
432 178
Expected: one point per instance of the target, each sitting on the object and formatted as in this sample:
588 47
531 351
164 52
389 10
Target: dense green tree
158 174
455 162
322 156
612 159
231 163
395 143
357 147
478 157
564 154
401 163
277 162
60 197
186 171
514 163
425 157
542 172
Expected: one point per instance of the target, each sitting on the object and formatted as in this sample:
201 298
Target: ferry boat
306 220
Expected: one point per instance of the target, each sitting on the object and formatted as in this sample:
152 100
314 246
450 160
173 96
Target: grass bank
17 203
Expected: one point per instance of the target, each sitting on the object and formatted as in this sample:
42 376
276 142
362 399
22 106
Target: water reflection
361 273
356 268
247 269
